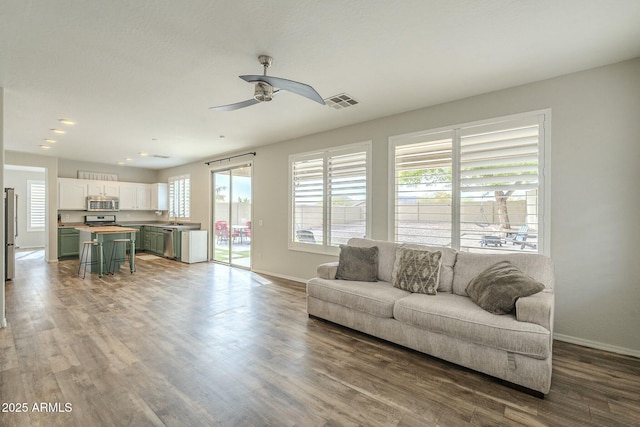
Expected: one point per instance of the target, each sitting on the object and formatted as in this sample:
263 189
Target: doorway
232 215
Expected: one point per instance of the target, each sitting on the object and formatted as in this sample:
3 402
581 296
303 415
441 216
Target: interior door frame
212 214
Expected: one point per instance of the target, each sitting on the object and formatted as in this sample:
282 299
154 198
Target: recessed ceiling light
58 131
50 141
143 154
45 147
129 159
121 163
67 121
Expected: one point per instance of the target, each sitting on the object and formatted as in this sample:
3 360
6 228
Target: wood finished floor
206 345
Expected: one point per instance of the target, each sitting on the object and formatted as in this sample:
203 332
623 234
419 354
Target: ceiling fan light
263 92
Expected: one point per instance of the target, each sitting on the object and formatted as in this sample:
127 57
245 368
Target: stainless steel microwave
102 204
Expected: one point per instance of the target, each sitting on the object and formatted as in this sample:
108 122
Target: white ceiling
140 75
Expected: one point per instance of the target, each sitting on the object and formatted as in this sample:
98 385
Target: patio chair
305 236
222 231
247 232
520 238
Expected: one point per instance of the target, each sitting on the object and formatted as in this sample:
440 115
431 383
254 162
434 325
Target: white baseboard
281 276
597 345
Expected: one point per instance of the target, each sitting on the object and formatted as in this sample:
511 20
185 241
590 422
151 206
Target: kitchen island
107 233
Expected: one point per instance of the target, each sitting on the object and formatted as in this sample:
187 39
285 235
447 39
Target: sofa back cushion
386 255
387 259
447 262
469 265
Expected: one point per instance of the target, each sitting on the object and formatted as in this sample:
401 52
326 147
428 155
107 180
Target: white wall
18 179
595 205
50 164
69 169
3 320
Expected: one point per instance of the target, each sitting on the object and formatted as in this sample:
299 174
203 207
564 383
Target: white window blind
424 189
473 187
36 205
329 195
179 197
308 200
347 182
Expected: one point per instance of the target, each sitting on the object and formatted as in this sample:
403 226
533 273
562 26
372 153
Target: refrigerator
194 246
10 232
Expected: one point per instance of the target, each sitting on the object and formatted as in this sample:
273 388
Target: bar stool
85 257
114 259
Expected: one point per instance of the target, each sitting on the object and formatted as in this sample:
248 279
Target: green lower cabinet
159 246
153 239
68 242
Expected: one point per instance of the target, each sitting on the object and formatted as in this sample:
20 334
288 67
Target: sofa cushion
498 287
358 264
447 262
417 270
386 255
469 265
375 298
457 316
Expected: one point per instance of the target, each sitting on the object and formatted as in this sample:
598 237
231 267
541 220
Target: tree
219 193
503 213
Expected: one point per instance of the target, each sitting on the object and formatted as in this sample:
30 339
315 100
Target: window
36 205
329 197
473 187
179 197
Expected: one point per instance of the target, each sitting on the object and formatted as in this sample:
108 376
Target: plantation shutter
308 200
347 189
179 196
37 206
499 166
475 187
423 188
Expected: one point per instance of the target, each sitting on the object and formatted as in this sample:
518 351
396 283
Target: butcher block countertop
107 229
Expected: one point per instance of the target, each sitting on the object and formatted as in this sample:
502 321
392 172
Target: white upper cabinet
136 196
72 194
160 197
143 196
103 188
128 196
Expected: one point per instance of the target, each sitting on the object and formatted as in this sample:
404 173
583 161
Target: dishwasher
167 234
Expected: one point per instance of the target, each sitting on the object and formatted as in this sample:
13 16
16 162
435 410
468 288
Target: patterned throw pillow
359 264
498 287
417 270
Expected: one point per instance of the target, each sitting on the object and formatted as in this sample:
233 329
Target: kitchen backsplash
121 216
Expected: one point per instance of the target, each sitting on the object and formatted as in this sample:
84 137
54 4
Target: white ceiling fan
266 87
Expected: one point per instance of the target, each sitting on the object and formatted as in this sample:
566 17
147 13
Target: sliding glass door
232 215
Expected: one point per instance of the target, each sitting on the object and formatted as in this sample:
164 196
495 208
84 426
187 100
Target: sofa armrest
536 308
328 270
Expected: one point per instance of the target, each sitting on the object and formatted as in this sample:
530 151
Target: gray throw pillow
498 287
359 264
417 270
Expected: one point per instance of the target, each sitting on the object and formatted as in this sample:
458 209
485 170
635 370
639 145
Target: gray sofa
514 347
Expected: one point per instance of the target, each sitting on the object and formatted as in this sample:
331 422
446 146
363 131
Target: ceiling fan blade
236 106
288 85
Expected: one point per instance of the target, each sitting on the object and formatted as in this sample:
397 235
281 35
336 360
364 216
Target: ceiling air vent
159 156
340 101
